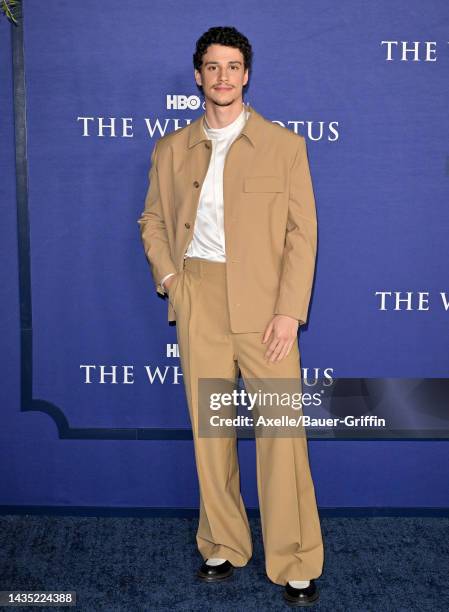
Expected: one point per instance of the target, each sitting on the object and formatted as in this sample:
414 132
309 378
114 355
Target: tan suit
269 217
221 311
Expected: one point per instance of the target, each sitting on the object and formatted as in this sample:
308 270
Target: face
222 75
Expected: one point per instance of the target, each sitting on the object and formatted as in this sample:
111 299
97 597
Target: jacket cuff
288 312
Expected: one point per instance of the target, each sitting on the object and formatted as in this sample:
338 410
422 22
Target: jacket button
187 225
207 145
196 184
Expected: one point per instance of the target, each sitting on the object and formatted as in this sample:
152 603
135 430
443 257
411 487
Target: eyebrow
230 62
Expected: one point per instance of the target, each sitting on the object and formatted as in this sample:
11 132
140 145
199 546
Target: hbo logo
183 102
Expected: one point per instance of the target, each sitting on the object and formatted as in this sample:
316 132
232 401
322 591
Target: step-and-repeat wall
95 411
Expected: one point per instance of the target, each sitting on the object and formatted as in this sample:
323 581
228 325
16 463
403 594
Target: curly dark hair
229 37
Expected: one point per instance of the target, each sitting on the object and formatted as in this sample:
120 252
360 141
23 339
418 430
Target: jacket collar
251 129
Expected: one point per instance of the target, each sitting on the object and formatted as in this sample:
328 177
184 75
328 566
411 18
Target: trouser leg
206 351
289 515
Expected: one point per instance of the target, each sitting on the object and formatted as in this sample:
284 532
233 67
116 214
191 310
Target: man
229 229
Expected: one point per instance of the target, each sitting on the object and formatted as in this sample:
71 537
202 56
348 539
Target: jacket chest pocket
260 184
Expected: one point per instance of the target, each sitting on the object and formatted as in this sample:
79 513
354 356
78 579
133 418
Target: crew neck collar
223 132
253 129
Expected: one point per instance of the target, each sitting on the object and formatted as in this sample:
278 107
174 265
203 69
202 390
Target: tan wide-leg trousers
208 349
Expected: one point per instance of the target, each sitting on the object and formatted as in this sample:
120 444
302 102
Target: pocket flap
263 183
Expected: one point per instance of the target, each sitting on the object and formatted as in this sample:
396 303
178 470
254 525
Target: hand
284 332
170 280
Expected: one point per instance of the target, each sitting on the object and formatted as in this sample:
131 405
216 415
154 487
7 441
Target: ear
245 76
198 78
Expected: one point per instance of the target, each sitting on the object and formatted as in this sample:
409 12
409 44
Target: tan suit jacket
269 217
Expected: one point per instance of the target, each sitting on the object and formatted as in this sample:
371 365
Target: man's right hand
170 280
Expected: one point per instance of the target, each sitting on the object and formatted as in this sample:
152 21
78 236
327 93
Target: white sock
215 561
299 584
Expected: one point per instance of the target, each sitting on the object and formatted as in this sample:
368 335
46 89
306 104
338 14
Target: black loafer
212 573
301 597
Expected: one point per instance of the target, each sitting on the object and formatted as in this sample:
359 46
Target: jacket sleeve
298 261
153 230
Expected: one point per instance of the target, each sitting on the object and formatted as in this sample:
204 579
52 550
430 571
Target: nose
223 75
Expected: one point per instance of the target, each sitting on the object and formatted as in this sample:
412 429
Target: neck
221 116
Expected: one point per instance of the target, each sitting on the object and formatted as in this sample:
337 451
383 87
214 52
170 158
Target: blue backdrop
367 86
